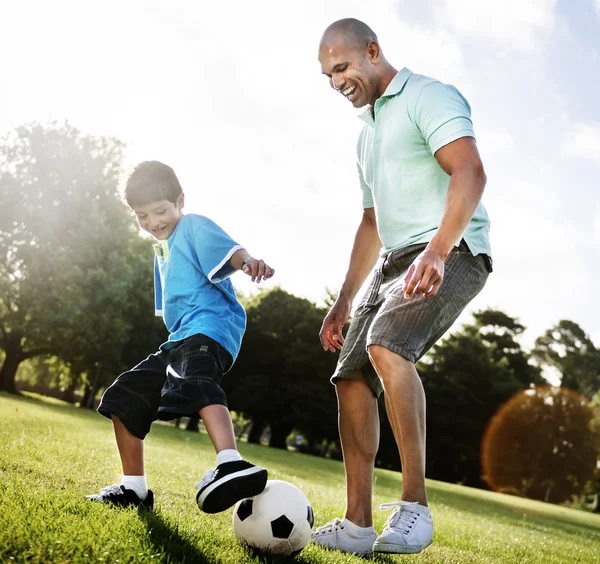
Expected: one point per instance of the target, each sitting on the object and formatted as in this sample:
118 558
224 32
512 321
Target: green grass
52 454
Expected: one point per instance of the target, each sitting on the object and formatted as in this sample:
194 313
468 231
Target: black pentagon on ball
282 527
310 516
245 509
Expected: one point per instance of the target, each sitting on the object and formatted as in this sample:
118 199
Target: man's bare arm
460 159
365 252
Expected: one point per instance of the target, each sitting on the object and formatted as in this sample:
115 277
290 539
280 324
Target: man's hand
258 270
425 274
331 331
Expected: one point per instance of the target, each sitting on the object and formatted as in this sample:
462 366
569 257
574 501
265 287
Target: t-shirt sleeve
367 198
214 248
443 115
158 291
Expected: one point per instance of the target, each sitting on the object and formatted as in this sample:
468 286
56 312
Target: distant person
193 260
422 180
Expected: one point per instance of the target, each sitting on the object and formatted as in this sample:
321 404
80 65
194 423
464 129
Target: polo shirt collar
162 250
394 87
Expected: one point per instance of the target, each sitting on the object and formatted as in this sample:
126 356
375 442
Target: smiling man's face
352 71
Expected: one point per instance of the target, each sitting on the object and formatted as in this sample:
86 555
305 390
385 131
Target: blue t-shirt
192 289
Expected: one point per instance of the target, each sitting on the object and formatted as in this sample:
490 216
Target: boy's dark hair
151 181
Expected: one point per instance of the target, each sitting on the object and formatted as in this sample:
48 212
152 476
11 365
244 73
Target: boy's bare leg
217 420
133 489
131 449
234 478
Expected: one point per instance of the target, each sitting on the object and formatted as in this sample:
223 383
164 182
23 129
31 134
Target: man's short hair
356 33
151 181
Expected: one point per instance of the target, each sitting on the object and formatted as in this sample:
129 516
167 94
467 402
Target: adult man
422 181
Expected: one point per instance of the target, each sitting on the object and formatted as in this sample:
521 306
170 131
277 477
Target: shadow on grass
303 557
168 541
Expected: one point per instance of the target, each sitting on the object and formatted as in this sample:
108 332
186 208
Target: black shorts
172 383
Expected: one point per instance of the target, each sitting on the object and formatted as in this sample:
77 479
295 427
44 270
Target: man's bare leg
359 434
405 405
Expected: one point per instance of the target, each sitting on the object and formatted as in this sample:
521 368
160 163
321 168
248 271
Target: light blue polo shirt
398 172
192 289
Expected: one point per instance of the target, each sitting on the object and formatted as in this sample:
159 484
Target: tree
131 331
466 378
541 445
568 349
281 378
69 252
499 332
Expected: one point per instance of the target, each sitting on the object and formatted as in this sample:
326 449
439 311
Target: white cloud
515 24
496 141
598 7
582 140
434 53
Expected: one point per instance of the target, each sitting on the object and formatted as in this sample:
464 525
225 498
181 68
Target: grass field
52 454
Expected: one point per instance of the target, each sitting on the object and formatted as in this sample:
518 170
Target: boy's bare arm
257 269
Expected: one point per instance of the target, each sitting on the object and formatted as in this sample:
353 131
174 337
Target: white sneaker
336 535
408 530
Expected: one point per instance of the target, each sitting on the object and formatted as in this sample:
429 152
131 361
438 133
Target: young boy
193 261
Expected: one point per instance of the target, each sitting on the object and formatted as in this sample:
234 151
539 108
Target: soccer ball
278 521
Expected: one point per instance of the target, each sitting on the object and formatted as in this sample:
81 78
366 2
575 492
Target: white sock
228 455
356 530
137 484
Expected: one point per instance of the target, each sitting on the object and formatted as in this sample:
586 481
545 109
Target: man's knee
351 388
388 363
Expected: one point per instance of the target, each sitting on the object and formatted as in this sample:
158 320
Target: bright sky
231 95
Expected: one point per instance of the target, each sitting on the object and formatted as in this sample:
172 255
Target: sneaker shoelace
209 475
332 527
402 518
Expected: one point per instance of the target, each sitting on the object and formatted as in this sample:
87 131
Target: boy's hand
258 270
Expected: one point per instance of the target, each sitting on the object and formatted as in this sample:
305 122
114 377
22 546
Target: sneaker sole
231 489
398 548
145 505
360 552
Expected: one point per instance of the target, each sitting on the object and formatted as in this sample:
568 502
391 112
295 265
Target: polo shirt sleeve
214 248
158 291
443 115
367 198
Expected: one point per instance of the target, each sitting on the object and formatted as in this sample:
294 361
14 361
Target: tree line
76 303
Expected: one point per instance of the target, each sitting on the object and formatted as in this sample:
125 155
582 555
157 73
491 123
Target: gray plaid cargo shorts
408 327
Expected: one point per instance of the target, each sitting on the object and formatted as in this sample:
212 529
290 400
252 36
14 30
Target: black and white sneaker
122 497
228 483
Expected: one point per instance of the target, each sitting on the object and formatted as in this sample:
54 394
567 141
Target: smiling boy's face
160 218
